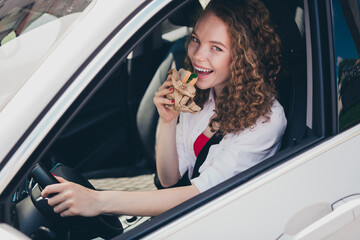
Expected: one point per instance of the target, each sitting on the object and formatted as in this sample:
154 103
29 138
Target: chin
202 86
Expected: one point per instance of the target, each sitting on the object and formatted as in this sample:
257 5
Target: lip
202 75
198 66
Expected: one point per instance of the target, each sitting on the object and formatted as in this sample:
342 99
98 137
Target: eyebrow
213 42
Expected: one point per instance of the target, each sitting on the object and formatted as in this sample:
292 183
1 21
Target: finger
67 213
57 188
48 190
60 179
63 206
57 199
53 188
163 92
166 84
163 101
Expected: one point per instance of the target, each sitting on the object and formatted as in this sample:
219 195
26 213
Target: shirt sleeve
238 152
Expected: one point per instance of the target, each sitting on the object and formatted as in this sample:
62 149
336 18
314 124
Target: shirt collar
212 95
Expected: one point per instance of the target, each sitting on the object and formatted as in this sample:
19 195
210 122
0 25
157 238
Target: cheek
226 63
190 52
223 64
224 69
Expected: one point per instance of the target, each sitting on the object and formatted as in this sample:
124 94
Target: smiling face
210 52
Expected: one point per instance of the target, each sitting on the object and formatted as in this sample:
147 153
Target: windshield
28 30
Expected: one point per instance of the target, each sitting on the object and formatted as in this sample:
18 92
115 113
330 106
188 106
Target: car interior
110 140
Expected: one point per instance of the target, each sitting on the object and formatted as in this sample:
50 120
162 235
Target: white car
76 87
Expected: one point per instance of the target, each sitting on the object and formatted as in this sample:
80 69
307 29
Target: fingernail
171 89
53 174
172 101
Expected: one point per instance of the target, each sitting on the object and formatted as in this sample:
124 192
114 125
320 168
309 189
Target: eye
195 39
215 48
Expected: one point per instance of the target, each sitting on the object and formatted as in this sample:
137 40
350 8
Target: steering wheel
105 226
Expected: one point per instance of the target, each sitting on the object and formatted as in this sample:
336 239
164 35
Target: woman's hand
160 101
72 199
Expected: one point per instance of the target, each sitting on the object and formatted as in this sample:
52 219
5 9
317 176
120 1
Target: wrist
101 202
168 122
109 202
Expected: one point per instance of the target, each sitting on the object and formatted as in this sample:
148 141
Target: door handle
330 223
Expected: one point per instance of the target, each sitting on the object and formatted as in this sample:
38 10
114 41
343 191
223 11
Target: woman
235 52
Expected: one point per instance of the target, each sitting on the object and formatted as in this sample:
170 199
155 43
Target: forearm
150 203
166 155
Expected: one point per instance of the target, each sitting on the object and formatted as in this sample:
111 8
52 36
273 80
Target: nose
200 54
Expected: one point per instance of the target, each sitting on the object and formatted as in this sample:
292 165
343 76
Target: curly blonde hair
256 52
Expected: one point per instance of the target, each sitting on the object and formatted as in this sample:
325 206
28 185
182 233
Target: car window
347 51
19 17
28 31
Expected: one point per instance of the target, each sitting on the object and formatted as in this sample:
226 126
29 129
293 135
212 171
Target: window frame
324 126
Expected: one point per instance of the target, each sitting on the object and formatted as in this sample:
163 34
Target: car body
76 81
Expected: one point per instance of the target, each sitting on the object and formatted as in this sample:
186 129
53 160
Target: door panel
261 208
340 223
8 232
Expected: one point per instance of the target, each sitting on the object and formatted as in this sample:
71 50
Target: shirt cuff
199 184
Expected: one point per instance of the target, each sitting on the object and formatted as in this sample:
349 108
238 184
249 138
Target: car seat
291 84
147 116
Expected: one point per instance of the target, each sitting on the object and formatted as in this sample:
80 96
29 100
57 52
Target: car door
315 194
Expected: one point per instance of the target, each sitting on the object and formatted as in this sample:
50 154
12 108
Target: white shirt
235 152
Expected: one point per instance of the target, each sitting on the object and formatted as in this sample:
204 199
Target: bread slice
184 75
193 81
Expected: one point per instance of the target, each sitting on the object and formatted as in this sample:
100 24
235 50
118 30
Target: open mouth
202 71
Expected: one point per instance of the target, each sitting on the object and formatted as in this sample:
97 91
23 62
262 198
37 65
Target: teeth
202 70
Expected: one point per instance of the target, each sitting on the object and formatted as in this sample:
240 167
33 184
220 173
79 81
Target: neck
218 89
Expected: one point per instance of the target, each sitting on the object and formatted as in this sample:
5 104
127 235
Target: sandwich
184 91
